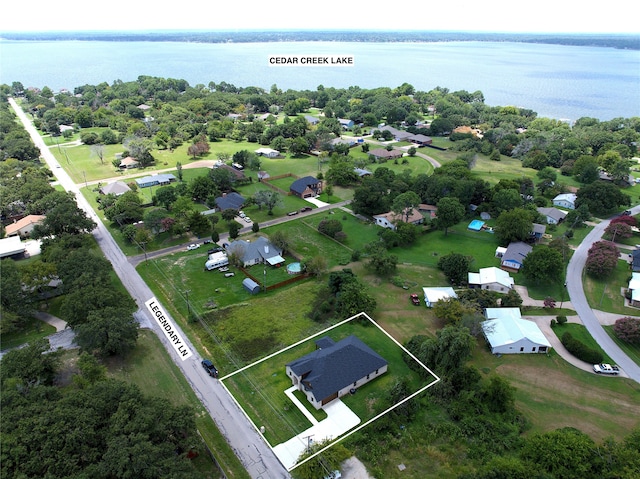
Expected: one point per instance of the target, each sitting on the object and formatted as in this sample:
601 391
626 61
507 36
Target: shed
251 286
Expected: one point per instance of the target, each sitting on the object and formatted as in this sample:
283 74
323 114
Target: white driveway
340 419
317 202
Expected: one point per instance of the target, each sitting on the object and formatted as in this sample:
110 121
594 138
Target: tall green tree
450 213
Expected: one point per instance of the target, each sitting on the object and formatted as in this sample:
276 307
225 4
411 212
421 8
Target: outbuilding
251 286
507 333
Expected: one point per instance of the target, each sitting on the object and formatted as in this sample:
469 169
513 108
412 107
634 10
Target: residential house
362 173
554 216
267 152
345 123
383 153
420 140
155 180
398 135
349 141
24 226
635 260
11 247
434 294
255 252
390 219
116 188
565 200
514 255
229 201
538 231
508 333
312 120
634 290
306 187
335 369
492 279
428 211
128 163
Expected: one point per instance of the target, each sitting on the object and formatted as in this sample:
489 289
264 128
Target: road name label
168 328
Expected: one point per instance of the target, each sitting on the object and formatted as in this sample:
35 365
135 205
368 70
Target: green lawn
631 350
31 330
606 294
260 388
580 332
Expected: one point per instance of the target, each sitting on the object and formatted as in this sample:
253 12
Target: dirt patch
352 468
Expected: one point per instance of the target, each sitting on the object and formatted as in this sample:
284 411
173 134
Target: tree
127 209
514 225
628 329
617 230
30 365
329 227
511 300
455 267
450 213
383 263
281 240
602 259
451 310
602 197
65 217
198 224
234 230
165 196
201 187
566 453
353 299
543 264
109 331
404 204
268 198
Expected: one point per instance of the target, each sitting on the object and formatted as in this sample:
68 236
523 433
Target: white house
389 220
634 288
493 279
24 226
507 333
434 294
267 152
565 200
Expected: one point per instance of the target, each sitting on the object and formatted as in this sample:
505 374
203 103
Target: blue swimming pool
476 225
294 268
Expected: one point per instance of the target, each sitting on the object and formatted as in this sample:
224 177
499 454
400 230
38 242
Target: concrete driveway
340 419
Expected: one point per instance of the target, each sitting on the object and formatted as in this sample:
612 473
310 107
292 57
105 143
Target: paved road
581 305
254 453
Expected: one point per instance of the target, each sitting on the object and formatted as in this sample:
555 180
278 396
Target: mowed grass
31 330
631 350
580 332
151 369
260 388
606 294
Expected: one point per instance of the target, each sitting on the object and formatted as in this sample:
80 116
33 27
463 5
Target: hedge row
581 350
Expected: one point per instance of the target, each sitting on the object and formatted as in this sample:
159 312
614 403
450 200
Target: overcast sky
541 16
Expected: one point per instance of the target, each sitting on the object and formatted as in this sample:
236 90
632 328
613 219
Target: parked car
247 219
217 249
209 368
306 208
241 214
606 369
415 299
207 241
193 246
228 275
292 213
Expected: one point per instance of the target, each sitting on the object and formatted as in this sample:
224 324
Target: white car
247 219
193 246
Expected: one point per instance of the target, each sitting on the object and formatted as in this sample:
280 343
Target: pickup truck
606 369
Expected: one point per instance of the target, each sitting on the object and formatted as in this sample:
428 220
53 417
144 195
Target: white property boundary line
437 379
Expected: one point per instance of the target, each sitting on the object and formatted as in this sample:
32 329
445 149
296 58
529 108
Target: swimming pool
294 268
476 225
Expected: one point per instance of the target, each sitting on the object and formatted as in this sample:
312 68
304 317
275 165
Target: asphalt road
256 456
578 298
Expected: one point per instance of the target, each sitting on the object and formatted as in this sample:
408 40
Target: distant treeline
630 42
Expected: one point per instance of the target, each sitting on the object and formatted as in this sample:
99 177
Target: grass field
606 294
580 332
31 330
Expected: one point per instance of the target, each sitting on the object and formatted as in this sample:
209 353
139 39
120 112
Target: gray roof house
255 252
334 369
116 188
514 256
154 180
233 201
553 215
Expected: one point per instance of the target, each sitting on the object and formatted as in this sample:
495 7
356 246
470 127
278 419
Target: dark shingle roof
332 368
301 184
230 201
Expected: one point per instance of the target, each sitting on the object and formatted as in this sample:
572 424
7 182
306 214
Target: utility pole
186 293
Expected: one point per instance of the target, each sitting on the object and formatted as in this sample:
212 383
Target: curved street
587 315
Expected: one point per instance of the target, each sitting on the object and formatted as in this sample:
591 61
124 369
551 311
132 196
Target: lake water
556 81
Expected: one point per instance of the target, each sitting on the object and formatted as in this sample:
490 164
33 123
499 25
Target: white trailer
216 260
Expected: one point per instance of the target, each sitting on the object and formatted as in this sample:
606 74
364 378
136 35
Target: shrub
602 259
581 350
628 329
561 320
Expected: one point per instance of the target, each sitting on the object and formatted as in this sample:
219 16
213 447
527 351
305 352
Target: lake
556 81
